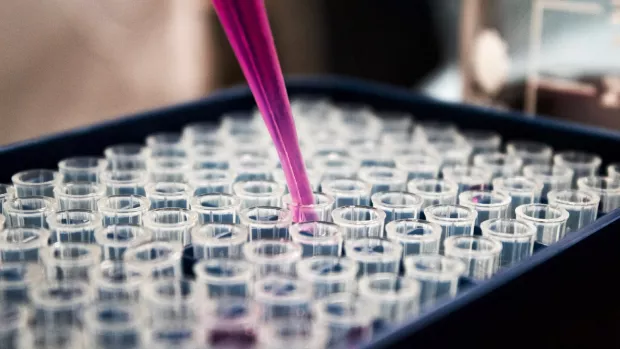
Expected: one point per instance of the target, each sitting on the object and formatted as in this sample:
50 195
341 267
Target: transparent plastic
613 170
171 224
468 177
384 179
483 141
165 144
35 183
112 326
168 194
397 205
230 323
438 277
69 261
553 178
454 220
116 239
434 191
550 221
29 211
82 169
359 222
74 226
23 244
115 281
297 332
259 193
531 152
453 149
125 182
79 195
171 300
374 255
415 235
480 254
582 163
168 169
347 319
419 166
314 177
369 153
208 181
334 166
60 304
216 208
607 188
394 298
155 259
200 133
7 192
488 204
218 240
252 167
123 209
272 257
281 297
431 128
13 323
328 275
517 238
319 210
223 278
127 156
318 238
499 164
64 337
582 207
17 280
522 191
347 192
266 222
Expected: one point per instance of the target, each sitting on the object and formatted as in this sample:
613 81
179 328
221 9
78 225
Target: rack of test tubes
188 241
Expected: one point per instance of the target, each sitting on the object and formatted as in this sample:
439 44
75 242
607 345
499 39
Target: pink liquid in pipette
247 28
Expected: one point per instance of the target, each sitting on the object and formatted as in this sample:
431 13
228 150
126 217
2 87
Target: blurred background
67 63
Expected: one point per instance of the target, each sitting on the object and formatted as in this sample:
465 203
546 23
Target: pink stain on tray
247 28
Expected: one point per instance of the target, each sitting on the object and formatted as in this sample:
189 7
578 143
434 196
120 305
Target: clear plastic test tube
468 177
531 152
17 280
454 150
328 275
79 196
297 332
155 259
74 225
169 194
123 209
64 337
433 128
223 277
454 220
488 204
582 207
359 222
252 167
272 257
125 182
348 320
116 239
169 334
7 192
23 244
171 300
35 183
522 191
13 324
320 210
374 255
499 164
29 211
419 166
258 193
168 169
318 238
415 235
583 164
434 191
200 132
483 141
112 326
607 188
165 144
171 224
480 254
613 170
207 181
553 178
280 297
266 222
393 297
347 192
216 208
218 240
60 304
230 323
397 205
333 166
113 281
438 277
550 221
383 179
517 238
69 261
127 156
82 169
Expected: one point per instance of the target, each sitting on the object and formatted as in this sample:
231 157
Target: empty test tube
218 240
468 177
280 297
74 225
374 255
23 244
29 211
7 192
123 209
434 191
259 193
583 164
499 164
397 205
487 204
35 183
582 207
517 238
169 194
318 238
171 300
112 326
454 220
427 129
224 277
383 179
127 156
607 188
550 221
531 152
272 257
297 332
125 182
209 157
347 192
266 222
348 320
454 149
82 169
252 167
613 170
17 280
112 281
59 304
483 141
522 191
14 323
328 275
419 166
393 298
165 144
319 210
335 166
168 169
216 208
200 132
69 261
415 235
438 277
553 178
369 153
171 224
480 254
79 196
155 259
116 239
359 222
211 181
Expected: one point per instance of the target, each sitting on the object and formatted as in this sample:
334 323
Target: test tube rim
582 184
294 254
450 171
92 257
284 217
553 197
9 191
458 265
202 276
559 158
64 164
493 138
140 176
152 139
22 319
149 221
465 201
499 185
404 162
530 172
196 202
303 287
133 279
295 233
337 217
363 318
60 193
482 160
563 214
40 242
395 254
31 268
450 245
392 232
430 214
104 207
112 151
86 294
90 314
50 205
175 254
182 165
365 289
504 237
613 169
239 190
151 190
377 201
328 201
362 188
150 294
267 335
101 235
17 180
195 180
240 235
545 152
452 187
94 222
397 175
304 267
